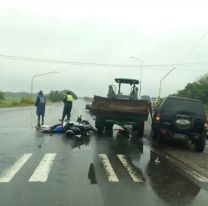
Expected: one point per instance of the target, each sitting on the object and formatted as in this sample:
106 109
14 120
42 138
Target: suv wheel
139 128
100 126
200 144
154 134
109 126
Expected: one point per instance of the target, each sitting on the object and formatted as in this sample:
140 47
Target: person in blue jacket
40 107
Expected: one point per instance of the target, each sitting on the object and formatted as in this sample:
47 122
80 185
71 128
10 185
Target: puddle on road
164 178
169 184
163 183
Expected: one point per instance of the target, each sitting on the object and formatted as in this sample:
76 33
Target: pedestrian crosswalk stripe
42 171
132 172
108 168
8 174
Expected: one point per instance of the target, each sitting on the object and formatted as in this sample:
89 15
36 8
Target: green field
14 101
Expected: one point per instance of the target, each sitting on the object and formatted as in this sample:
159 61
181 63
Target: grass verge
17 102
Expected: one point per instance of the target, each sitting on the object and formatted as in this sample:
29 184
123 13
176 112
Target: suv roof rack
181 97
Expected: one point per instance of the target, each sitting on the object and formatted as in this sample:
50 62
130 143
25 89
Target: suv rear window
177 105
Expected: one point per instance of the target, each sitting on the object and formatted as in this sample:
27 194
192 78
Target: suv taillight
157 117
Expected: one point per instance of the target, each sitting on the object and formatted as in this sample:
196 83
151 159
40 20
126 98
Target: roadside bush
14 103
26 101
1 95
197 89
55 96
58 96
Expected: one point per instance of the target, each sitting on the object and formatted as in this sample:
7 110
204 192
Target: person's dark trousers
42 118
66 112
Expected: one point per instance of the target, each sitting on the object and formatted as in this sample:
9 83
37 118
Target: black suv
180 118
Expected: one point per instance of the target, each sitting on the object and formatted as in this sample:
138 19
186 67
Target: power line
65 62
76 63
194 47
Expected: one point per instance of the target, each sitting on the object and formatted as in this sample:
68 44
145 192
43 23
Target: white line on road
12 171
42 171
188 170
108 168
129 168
197 176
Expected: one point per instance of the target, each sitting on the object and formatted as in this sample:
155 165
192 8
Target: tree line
53 96
197 89
1 95
57 96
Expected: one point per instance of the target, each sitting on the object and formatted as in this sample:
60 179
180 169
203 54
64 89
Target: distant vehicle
121 109
180 118
88 106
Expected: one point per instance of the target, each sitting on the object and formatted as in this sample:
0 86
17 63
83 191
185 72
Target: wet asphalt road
99 170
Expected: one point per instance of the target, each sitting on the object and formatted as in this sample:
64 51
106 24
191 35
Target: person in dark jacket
67 106
40 107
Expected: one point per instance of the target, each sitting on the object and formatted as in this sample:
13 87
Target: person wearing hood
67 106
40 107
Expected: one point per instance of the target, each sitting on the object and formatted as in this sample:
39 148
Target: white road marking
111 175
129 168
42 171
12 171
188 170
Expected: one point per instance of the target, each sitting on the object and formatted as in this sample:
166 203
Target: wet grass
16 102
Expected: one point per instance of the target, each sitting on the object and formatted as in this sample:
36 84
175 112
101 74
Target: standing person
40 107
67 106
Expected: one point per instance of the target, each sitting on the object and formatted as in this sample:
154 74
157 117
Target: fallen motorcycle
71 129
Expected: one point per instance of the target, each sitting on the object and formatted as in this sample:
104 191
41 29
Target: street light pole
140 66
38 75
161 82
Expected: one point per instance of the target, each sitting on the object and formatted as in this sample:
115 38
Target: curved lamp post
161 82
38 75
140 66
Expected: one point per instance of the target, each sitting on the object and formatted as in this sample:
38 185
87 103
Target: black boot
42 121
38 123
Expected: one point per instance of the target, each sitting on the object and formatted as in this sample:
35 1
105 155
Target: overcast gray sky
158 32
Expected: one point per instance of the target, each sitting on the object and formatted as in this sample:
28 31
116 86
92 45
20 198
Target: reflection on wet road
168 184
42 169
